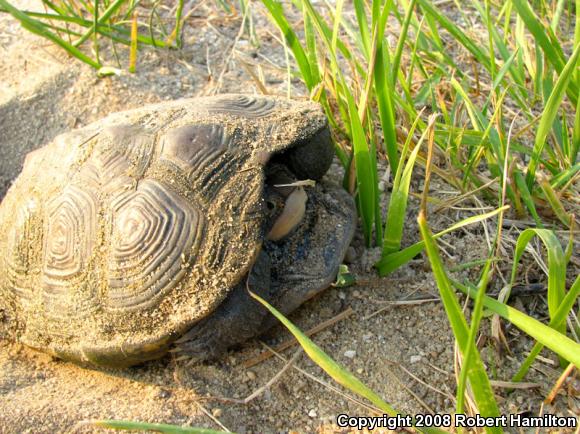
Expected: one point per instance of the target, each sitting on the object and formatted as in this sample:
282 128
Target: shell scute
70 230
134 142
21 259
193 146
155 234
243 105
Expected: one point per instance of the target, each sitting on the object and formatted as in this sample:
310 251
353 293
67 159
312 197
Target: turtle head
308 157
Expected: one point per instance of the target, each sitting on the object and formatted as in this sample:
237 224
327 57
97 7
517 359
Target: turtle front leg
236 320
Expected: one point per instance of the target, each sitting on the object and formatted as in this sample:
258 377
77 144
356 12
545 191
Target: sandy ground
403 352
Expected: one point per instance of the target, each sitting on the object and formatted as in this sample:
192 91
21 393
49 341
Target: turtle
143 233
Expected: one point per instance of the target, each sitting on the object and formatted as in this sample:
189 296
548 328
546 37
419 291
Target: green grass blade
517 76
158 427
479 151
389 263
555 203
498 79
549 114
455 31
365 165
482 391
363 27
402 39
552 339
561 179
364 170
176 33
95 34
566 148
557 15
557 321
336 26
546 39
399 196
375 181
556 266
477 119
473 329
490 31
113 7
526 197
310 45
277 14
338 373
38 28
325 33
577 27
110 31
576 135
384 90
59 10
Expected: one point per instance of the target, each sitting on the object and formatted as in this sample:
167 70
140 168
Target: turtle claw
202 343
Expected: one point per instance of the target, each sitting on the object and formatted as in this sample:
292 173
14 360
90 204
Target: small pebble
312 413
415 359
359 371
251 375
163 393
350 354
341 295
217 412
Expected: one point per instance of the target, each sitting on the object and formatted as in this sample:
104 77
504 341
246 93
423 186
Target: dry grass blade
410 391
370 408
133 50
427 385
512 385
552 395
266 386
400 303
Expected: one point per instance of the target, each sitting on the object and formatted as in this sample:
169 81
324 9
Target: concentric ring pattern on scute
154 237
70 230
243 105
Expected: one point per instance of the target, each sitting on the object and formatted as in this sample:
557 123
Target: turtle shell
118 237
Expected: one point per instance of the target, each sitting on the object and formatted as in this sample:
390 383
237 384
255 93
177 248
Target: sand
402 351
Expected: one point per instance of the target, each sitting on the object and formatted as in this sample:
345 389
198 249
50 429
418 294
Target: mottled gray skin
140 233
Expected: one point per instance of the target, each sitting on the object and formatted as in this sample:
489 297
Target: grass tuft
83 22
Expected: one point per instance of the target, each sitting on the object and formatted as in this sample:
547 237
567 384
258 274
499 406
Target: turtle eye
270 205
